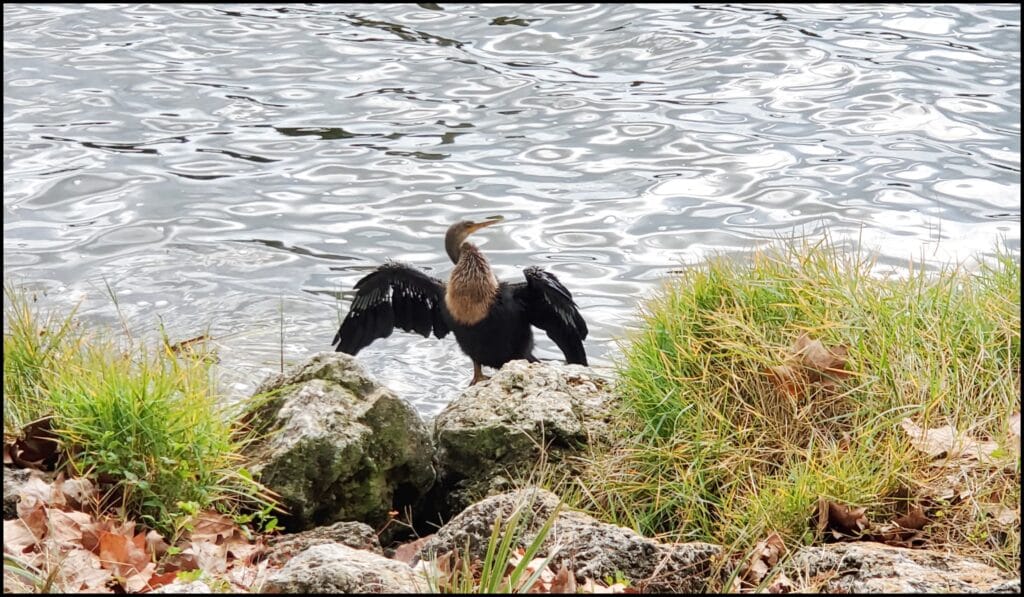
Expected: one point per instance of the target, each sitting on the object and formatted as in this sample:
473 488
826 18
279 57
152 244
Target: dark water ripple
236 168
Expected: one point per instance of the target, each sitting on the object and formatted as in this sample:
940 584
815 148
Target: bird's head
459 231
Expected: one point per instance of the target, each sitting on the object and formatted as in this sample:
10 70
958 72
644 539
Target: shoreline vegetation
791 395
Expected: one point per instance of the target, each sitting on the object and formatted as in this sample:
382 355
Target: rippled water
226 167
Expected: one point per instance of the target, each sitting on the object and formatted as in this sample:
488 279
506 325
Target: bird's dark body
492 321
502 336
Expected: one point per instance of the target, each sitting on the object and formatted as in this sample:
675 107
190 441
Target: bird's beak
490 221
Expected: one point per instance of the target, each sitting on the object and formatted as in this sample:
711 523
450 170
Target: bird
492 321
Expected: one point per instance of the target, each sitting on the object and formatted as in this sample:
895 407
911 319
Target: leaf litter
54 532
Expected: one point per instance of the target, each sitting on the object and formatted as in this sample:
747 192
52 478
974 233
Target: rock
497 428
195 587
342 446
337 568
353 534
591 549
865 567
14 479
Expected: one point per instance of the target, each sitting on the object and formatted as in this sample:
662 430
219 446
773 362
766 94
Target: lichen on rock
339 446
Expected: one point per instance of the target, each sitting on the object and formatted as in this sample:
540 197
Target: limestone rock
591 549
497 428
195 587
865 567
337 568
341 446
353 534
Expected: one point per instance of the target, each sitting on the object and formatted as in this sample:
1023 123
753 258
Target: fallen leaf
76 492
18 538
123 555
904 531
247 576
564 581
788 379
945 441
809 362
781 584
37 489
821 364
65 528
81 571
1007 517
32 512
842 520
209 557
407 551
213 527
156 547
158 580
913 519
765 556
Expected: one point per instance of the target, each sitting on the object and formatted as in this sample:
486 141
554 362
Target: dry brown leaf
135 583
945 441
809 362
36 489
158 580
75 492
788 379
81 571
589 586
843 521
213 527
245 551
1004 516
781 584
821 364
564 581
18 538
904 531
765 556
914 519
545 578
156 547
32 512
65 528
123 555
245 576
209 557
407 551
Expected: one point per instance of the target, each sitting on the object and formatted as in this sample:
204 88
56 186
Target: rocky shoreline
372 447
361 475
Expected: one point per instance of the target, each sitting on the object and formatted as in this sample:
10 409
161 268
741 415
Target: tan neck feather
472 287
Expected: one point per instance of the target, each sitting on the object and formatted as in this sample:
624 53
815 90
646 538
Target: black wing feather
550 307
392 296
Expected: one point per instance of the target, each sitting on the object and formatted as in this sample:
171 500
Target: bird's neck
472 287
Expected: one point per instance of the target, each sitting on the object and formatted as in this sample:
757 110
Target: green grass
713 450
462 573
146 423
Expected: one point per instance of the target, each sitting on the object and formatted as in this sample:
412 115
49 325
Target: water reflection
236 169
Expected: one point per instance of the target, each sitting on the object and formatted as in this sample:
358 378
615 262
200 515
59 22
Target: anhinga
491 320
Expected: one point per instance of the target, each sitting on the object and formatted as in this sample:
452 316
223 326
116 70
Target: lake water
234 169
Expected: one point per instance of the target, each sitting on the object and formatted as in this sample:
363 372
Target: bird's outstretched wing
392 296
550 307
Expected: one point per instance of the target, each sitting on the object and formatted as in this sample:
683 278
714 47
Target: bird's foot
478 374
